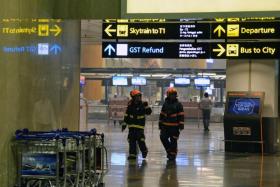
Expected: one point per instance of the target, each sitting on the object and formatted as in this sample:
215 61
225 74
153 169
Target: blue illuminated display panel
138 81
243 106
182 81
119 81
202 82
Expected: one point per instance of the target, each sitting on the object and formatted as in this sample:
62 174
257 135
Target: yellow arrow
219 19
108 30
57 30
221 50
110 20
219 29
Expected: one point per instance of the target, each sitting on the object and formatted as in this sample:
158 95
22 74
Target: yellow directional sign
56 30
43 20
43 30
122 20
233 19
110 20
122 30
219 29
233 30
108 30
233 50
220 50
219 19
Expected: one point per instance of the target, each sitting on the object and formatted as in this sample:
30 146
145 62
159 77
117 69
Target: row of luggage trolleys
60 158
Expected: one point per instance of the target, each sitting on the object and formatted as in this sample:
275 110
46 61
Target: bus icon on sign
232 49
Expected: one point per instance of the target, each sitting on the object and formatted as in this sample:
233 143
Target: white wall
180 6
261 76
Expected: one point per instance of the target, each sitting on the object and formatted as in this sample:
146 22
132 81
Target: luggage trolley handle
104 154
63 131
26 131
37 137
85 133
83 141
78 139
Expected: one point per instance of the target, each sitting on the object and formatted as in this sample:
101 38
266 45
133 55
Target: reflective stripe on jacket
172 113
135 115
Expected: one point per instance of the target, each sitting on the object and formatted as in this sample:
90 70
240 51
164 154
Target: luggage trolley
60 158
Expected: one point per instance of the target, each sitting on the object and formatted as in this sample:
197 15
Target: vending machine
243 127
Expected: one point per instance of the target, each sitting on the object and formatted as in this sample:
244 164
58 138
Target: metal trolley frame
60 158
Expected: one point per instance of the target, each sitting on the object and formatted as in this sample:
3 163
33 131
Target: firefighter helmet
135 93
171 91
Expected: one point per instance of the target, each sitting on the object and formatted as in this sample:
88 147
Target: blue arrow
109 48
55 49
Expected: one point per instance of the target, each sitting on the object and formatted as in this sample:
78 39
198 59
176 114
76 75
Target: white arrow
109 48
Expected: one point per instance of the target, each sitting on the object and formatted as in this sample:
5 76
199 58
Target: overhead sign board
39 29
252 50
46 32
185 30
156 30
252 30
40 49
155 50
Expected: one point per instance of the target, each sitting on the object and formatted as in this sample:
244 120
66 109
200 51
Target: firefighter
135 120
171 122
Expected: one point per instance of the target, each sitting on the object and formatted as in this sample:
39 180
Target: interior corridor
201 160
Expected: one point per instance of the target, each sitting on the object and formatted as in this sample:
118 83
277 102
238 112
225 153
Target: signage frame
192 50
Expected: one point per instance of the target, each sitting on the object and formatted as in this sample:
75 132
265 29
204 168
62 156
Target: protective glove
145 103
181 127
123 127
148 111
123 124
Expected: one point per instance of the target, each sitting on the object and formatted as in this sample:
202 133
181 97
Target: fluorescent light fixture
145 75
206 74
160 75
209 61
125 75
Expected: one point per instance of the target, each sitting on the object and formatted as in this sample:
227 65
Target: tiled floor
201 161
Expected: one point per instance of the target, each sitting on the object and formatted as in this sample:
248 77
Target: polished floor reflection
201 161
